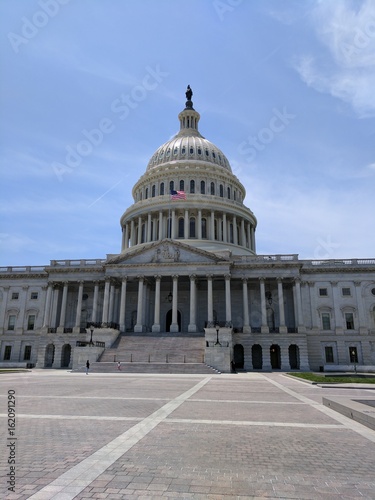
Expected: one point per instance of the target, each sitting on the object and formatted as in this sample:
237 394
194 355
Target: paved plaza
116 435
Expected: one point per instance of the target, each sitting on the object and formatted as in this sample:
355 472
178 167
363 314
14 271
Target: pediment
165 252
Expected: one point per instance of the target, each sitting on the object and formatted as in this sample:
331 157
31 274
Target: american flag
178 195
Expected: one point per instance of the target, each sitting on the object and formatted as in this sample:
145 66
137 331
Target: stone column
264 327
192 327
123 239
228 304
210 304
95 302
77 325
138 328
186 225
363 329
246 325
243 236
139 239
212 226
300 328
248 235
173 224
225 234
156 325
199 233
161 236
123 305
111 303
61 326
174 324
280 293
4 308
106 303
253 246
132 233
235 232
47 309
126 236
149 227
314 313
55 300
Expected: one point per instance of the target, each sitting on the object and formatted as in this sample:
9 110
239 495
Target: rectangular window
346 292
15 295
11 322
31 322
34 295
7 352
326 321
323 292
349 320
27 353
329 354
353 354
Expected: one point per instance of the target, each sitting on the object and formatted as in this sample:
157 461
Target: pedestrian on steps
119 365
87 367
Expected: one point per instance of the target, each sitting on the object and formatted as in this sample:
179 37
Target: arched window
182 185
143 233
192 186
146 194
213 188
192 227
215 230
234 195
204 228
171 186
181 227
162 189
153 191
221 191
203 187
228 190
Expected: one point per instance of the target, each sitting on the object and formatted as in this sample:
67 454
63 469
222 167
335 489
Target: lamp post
91 331
217 327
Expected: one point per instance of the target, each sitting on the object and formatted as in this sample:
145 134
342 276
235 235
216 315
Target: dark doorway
256 356
294 357
50 356
238 356
65 355
275 357
168 320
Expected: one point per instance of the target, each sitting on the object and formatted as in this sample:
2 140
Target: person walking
119 365
87 367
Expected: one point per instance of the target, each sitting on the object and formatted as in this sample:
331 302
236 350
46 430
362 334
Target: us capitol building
188 267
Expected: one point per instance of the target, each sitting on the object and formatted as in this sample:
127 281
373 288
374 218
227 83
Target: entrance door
168 320
294 357
50 356
256 357
65 355
238 356
275 357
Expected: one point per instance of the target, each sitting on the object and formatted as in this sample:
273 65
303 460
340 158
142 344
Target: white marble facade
187 265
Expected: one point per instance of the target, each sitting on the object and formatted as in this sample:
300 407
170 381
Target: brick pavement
182 436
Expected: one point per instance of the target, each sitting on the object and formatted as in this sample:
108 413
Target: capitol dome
189 144
189 193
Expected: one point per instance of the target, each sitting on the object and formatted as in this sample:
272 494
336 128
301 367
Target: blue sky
90 89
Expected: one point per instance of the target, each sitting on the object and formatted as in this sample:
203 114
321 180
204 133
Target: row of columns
109 299
156 228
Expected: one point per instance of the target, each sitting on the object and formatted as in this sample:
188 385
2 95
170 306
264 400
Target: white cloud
346 69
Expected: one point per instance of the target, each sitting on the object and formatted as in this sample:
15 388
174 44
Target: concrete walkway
119 436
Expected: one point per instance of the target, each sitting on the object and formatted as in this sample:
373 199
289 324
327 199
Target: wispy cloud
346 67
